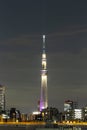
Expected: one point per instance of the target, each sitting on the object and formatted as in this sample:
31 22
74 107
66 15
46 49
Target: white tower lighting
43 98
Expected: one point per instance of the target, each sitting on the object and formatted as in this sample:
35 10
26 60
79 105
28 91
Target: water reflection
72 128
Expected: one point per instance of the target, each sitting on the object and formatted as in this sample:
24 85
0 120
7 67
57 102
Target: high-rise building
77 114
2 98
43 98
69 107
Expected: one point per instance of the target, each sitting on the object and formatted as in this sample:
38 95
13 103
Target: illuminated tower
43 98
2 98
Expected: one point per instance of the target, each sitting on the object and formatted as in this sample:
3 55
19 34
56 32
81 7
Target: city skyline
22 25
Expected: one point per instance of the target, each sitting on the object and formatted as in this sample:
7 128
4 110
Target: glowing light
43 41
4 116
78 113
44 62
44 78
36 113
44 56
44 65
43 36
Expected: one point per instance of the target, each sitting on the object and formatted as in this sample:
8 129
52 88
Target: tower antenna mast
43 41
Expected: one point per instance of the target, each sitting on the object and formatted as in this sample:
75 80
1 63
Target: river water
34 128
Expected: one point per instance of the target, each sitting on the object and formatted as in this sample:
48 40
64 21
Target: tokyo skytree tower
43 98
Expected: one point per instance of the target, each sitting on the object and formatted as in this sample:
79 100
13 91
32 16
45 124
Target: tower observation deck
43 98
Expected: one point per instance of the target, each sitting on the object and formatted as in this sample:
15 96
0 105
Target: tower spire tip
43 41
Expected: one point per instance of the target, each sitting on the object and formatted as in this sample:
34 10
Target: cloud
69 31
